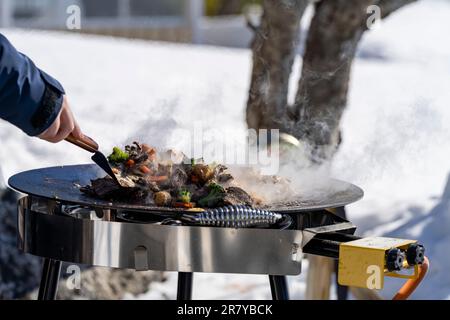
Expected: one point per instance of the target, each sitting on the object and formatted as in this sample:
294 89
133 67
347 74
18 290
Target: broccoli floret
215 196
184 196
118 156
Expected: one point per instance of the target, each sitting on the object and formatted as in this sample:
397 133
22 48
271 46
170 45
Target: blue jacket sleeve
29 98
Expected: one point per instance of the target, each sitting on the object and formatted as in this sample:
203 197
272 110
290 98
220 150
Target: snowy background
396 128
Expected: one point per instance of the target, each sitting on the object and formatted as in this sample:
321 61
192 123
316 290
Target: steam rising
299 178
299 175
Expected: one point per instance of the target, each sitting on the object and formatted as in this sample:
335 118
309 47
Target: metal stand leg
342 291
49 279
279 288
185 285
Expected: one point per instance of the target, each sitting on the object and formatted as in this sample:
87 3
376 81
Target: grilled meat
237 196
107 188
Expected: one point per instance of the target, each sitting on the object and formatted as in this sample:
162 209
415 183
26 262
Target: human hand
64 125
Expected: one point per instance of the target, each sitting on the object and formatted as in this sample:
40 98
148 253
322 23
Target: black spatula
99 158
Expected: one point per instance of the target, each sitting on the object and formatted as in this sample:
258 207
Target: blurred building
167 20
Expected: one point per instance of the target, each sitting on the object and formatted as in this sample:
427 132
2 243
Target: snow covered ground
396 133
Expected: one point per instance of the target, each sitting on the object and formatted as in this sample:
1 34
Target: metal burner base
61 231
90 237
57 222
157 247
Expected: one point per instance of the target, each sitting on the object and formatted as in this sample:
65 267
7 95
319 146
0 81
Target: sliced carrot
186 205
158 178
130 163
145 169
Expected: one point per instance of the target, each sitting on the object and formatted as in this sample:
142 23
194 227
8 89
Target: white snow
396 135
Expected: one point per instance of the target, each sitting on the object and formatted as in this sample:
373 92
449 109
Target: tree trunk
335 31
274 46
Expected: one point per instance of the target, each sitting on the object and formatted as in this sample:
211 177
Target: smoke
300 177
161 129
297 171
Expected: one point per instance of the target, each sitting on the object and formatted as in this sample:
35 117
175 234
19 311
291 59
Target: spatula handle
85 143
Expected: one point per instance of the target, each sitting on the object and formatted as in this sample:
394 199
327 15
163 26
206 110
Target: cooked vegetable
130 163
157 178
215 196
118 156
166 178
202 172
184 196
162 198
186 205
145 169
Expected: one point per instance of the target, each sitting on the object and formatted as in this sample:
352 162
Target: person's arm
31 99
